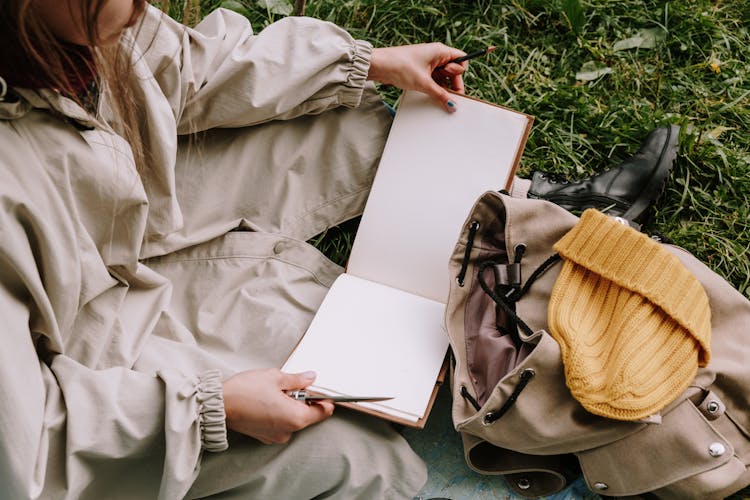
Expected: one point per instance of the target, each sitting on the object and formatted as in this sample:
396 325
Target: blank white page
434 167
370 340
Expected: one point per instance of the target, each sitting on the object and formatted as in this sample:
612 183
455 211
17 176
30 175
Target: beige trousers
243 298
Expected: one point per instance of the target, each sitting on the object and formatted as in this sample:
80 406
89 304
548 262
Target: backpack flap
684 445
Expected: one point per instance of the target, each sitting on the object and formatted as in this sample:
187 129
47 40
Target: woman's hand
256 405
412 67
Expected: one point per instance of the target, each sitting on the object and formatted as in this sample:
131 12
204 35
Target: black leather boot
627 190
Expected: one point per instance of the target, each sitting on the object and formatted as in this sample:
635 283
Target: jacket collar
17 102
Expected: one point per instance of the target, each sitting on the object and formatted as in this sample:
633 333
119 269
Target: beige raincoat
124 303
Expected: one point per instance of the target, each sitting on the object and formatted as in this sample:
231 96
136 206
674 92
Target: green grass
696 75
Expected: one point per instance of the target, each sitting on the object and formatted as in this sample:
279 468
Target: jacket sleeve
72 431
220 74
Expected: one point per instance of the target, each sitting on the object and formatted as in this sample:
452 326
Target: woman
151 283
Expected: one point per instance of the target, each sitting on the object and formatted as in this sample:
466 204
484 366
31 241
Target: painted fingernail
310 375
451 106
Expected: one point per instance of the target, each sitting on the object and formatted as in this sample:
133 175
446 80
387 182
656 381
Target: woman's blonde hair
32 57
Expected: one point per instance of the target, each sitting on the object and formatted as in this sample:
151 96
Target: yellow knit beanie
633 324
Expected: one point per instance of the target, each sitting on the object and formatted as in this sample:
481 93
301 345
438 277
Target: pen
471 55
303 395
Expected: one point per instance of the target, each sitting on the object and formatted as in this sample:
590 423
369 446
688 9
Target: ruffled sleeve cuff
212 417
357 76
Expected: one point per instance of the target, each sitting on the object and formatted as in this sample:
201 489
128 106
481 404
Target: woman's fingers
257 405
416 67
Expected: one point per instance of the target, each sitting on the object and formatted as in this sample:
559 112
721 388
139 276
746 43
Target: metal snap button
278 248
716 449
601 486
523 484
488 418
622 221
712 407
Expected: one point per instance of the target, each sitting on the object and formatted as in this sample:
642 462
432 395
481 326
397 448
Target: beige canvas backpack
511 403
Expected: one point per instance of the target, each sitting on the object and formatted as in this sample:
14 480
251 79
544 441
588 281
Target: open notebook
379 331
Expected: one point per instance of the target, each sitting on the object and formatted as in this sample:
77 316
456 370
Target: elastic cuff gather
212 418
357 75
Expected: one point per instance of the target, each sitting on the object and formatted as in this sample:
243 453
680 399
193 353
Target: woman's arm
68 429
221 74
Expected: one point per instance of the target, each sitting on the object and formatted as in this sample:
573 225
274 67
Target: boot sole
658 179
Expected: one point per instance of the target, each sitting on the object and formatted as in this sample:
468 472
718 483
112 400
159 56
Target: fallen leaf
591 70
717 131
644 39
